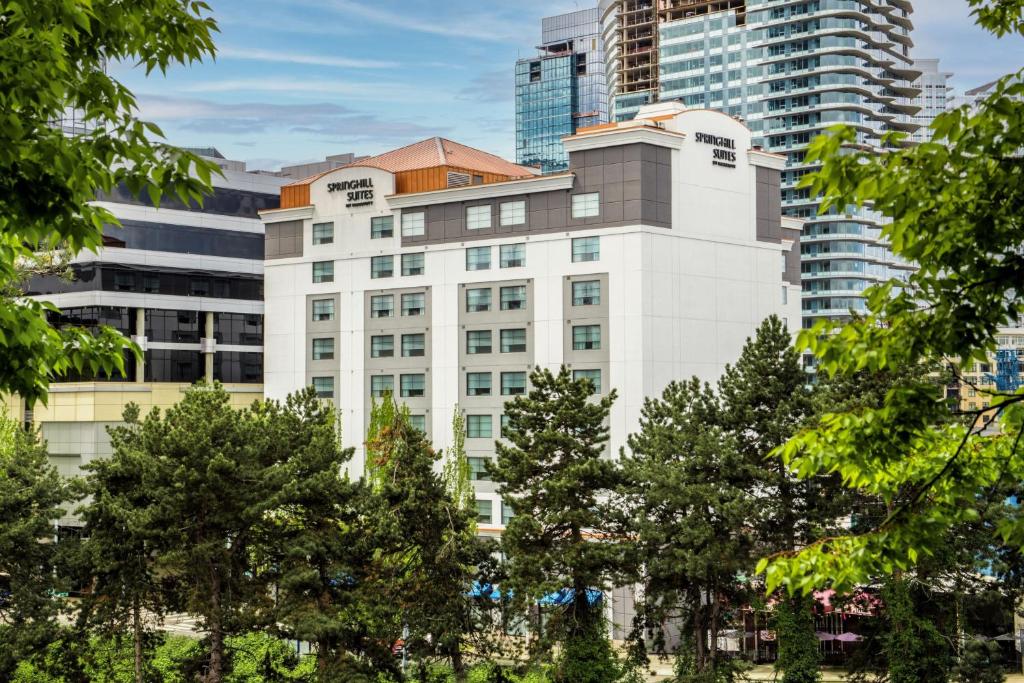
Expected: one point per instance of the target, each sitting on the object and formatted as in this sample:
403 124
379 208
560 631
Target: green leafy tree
53 55
554 472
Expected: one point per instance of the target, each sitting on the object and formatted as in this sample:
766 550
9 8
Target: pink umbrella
848 637
823 635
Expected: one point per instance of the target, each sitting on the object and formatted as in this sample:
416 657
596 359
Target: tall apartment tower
560 90
934 97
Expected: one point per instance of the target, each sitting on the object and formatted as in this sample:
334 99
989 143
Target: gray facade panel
792 274
769 205
588 314
322 329
283 240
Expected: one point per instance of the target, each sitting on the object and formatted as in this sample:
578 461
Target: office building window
484 511
586 337
513 383
586 249
382 306
506 513
512 255
478 217
412 264
504 424
413 386
478 426
238 328
323 271
478 469
412 224
382 346
513 341
513 298
324 387
418 422
323 233
382 384
414 303
478 300
478 384
382 266
382 226
513 213
478 258
323 309
323 349
586 205
593 375
413 345
181 327
478 341
586 293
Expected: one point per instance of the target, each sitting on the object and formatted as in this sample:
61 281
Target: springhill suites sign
725 149
359 192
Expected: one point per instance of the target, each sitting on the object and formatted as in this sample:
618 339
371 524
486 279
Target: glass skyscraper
560 90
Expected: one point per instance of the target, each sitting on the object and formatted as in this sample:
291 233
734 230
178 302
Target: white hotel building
445 274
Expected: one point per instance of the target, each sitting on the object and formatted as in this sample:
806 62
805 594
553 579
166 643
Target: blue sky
296 80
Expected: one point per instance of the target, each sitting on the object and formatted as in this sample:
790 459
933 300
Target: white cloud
278 56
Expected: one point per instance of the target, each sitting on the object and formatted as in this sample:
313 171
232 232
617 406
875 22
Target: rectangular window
323 349
586 205
324 387
478 217
412 224
586 293
413 345
382 226
323 309
382 346
478 300
382 306
413 386
513 298
513 341
586 337
478 341
418 422
382 384
478 426
484 512
586 249
323 271
414 303
478 258
382 266
478 384
785 295
512 255
504 424
412 264
513 213
593 375
506 514
323 233
513 383
478 469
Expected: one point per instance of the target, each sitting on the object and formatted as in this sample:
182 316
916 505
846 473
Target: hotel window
413 345
414 304
586 293
323 271
506 514
478 384
382 306
478 300
478 258
586 337
324 387
478 469
382 346
484 511
513 341
382 226
323 349
513 383
478 426
323 233
512 255
418 422
785 295
513 298
382 266
382 384
323 309
412 224
504 424
586 249
593 375
413 386
412 264
478 341
478 217
586 205
513 213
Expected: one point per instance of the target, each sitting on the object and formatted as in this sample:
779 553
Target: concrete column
208 357
140 333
